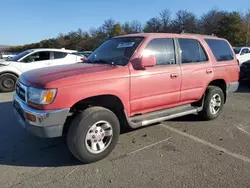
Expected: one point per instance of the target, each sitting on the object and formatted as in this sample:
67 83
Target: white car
242 54
32 59
6 55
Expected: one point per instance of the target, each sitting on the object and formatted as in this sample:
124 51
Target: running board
162 115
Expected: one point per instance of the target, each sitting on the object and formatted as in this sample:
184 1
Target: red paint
140 90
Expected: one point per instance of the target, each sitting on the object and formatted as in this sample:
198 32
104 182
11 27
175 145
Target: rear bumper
232 87
48 124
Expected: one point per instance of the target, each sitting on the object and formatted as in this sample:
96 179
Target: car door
36 60
63 58
196 70
156 87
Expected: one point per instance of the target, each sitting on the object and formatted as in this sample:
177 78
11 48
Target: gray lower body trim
48 124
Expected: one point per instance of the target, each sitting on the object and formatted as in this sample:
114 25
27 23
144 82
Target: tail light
83 58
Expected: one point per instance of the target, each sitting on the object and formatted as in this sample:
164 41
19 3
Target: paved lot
184 152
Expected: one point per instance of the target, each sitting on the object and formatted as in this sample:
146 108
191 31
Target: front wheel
93 134
7 82
213 104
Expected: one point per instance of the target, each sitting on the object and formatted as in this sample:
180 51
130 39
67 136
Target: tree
185 21
165 20
116 30
246 21
132 27
231 27
209 22
153 25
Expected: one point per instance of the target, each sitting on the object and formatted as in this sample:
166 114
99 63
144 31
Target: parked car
6 55
32 59
133 80
245 71
84 54
242 54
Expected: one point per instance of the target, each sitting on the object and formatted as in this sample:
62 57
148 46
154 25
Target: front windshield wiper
101 62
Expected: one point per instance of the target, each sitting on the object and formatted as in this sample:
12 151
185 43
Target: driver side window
39 56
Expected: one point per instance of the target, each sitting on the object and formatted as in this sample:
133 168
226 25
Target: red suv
132 80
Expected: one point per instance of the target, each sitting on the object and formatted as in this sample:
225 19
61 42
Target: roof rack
183 32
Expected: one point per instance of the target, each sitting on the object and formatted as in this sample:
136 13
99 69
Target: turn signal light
30 117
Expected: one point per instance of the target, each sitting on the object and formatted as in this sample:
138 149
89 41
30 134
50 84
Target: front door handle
174 75
209 71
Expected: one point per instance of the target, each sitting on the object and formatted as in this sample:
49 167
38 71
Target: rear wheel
93 134
7 82
213 104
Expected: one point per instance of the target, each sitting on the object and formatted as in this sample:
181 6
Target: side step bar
162 115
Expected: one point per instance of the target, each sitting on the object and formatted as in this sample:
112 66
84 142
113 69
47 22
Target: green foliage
232 26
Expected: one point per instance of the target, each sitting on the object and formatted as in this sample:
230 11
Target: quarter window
192 51
220 49
59 55
162 49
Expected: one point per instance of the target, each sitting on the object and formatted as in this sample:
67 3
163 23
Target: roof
188 35
54 49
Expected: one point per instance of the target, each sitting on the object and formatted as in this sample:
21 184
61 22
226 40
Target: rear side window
59 55
220 49
192 51
163 50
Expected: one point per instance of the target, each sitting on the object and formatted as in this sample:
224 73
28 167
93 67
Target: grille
20 91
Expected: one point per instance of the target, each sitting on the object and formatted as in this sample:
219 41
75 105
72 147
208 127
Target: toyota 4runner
133 80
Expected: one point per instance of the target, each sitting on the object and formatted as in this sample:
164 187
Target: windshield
237 50
19 56
116 51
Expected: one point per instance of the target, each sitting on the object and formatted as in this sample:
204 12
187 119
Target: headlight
41 96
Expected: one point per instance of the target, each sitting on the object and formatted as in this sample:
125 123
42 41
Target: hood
64 75
4 62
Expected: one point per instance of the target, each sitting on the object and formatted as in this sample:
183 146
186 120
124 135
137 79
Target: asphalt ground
184 152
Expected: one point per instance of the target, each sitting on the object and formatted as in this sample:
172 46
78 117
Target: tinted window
39 56
191 51
59 55
245 51
163 50
19 56
220 49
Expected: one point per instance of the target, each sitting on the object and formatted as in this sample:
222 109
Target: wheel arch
221 83
9 72
109 101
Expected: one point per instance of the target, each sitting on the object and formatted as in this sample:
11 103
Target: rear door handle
174 75
209 71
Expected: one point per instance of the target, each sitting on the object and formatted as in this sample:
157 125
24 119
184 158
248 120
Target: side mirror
148 61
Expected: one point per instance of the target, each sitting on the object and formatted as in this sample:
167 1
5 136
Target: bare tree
185 21
165 19
153 25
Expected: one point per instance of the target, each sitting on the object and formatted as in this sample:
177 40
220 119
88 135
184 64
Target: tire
207 113
81 127
7 82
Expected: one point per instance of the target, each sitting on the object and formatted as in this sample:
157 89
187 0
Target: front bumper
48 123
